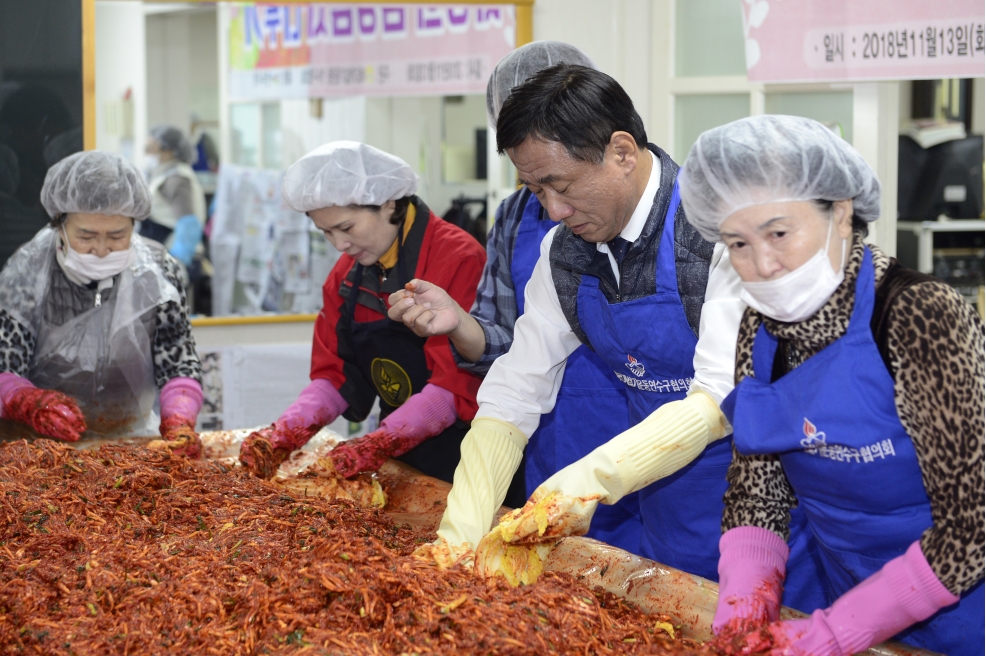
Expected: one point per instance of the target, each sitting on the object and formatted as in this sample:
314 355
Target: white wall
120 64
302 132
615 34
182 67
411 128
167 70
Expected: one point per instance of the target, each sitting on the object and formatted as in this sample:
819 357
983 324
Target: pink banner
845 40
325 50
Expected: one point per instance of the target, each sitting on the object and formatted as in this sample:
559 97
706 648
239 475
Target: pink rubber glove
46 412
905 591
181 397
10 383
424 415
318 405
752 565
181 400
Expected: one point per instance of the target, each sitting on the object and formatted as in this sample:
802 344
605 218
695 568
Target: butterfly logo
392 382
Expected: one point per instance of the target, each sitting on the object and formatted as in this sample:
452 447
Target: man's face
594 200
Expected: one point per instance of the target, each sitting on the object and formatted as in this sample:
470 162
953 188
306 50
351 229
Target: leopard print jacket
173 347
933 347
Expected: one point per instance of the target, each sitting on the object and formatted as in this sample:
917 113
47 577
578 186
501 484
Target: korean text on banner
848 40
327 50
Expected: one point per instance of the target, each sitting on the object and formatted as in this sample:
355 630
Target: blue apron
682 513
591 407
834 424
648 343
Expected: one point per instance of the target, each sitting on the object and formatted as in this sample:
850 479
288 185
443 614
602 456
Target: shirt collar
638 219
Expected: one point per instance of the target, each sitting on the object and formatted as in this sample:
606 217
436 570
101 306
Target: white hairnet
520 64
171 138
772 159
346 173
95 182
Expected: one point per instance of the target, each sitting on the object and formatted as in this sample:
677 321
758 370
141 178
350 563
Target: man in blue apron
591 405
626 276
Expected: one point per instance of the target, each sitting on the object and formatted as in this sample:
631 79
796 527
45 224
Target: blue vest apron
834 424
650 345
591 407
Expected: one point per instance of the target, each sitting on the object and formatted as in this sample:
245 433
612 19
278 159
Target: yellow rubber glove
519 564
490 455
667 440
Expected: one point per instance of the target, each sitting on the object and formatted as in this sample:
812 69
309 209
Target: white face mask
92 267
802 292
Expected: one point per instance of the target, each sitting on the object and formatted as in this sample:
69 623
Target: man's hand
426 309
548 515
518 564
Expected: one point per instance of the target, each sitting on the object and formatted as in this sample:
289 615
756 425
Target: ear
842 215
623 149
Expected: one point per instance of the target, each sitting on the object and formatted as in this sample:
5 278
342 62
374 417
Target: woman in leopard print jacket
859 396
94 330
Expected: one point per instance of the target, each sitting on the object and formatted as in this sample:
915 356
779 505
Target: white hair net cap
772 159
347 173
173 139
95 182
520 64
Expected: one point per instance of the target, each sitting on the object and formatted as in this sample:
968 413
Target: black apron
389 355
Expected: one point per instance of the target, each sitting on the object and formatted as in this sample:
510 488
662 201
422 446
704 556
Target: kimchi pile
127 550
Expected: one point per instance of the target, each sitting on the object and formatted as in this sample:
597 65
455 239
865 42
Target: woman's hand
426 309
46 412
179 437
261 453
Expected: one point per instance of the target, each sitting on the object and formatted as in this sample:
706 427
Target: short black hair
578 107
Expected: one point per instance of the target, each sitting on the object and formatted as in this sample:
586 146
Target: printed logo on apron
635 366
391 381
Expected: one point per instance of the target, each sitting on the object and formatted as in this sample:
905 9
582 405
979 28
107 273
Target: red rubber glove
259 454
367 453
46 412
424 415
263 451
180 438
